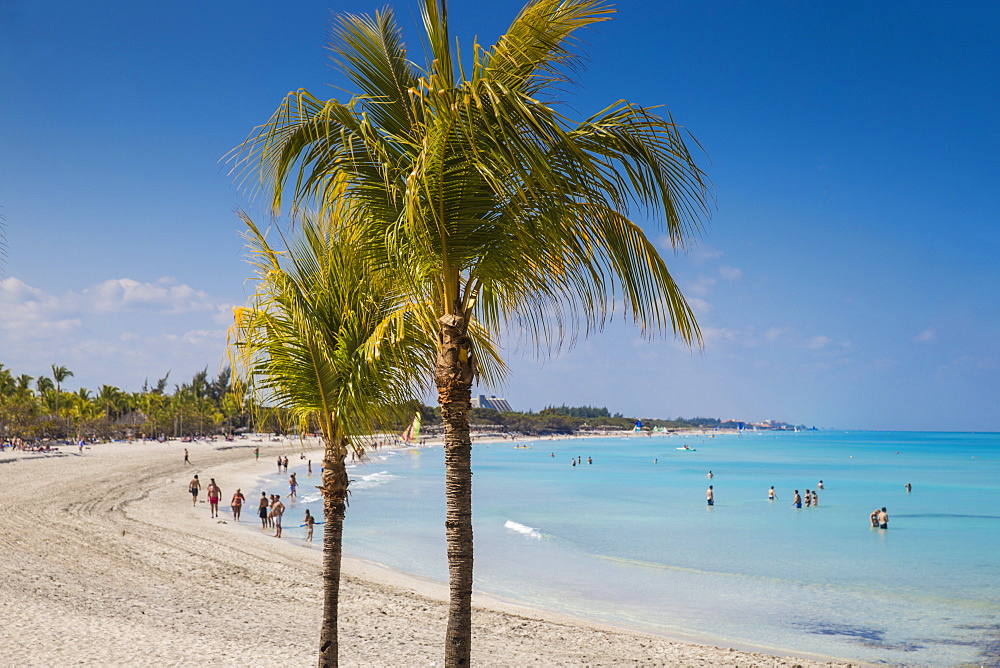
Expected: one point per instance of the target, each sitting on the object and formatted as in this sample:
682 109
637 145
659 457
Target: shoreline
110 564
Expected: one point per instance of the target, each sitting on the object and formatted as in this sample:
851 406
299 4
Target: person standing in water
292 484
770 494
797 500
883 519
710 496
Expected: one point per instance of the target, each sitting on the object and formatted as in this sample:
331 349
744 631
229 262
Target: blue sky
848 277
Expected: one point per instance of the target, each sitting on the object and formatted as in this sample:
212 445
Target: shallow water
629 541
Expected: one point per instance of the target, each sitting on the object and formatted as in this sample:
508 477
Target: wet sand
106 561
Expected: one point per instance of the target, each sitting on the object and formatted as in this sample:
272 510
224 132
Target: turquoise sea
632 542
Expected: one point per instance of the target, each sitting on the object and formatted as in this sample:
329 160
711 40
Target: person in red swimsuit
214 496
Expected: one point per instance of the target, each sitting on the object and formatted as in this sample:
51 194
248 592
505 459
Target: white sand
105 561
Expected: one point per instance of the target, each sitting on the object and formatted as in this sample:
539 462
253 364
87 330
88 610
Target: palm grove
469 205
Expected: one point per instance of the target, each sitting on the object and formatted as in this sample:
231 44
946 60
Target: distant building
494 403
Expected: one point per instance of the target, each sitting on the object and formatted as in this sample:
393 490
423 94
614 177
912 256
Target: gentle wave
522 529
372 480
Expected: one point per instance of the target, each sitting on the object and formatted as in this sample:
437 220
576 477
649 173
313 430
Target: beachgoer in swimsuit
820 485
279 464
309 468
309 521
194 487
285 463
874 517
797 500
710 496
262 510
909 487
770 494
214 496
292 484
256 453
237 504
186 460
277 510
815 498
883 519
809 498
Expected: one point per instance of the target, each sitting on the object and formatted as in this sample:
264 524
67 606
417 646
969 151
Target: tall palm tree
501 209
313 342
59 374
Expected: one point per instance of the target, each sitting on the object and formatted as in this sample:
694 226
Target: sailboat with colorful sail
412 431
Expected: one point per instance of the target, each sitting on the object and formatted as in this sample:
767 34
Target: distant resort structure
491 402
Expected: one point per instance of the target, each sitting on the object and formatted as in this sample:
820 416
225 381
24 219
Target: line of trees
34 409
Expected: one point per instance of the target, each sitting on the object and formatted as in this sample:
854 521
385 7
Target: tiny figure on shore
796 500
820 485
309 522
292 484
709 475
279 463
710 496
256 454
883 519
285 463
277 510
909 488
186 460
194 487
262 510
770 494
309 468
214 496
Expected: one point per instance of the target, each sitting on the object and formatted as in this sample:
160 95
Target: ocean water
632 542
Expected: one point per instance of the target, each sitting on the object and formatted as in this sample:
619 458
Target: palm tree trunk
334 508
453 376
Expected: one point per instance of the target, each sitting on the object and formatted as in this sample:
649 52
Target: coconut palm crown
312 341
503 211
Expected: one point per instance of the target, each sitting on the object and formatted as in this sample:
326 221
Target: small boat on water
689 449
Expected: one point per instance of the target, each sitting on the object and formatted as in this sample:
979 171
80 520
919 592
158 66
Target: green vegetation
200 406
494 208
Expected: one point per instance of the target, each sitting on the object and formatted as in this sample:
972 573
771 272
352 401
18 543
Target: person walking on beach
883 519
277 510
194 487
256 454
710 496
214 496
285 462
186 460
309 468
262 510
237 504
292 484
797 500
309 522
279 463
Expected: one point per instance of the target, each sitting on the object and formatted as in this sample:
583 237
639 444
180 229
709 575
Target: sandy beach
106 561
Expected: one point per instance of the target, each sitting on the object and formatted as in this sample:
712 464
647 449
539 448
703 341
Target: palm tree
59 373
312 342
501 209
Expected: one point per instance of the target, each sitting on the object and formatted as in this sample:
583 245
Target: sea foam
522 529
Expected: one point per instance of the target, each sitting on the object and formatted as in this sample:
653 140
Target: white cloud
702 287
730 273
929 335
118 331
818 342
